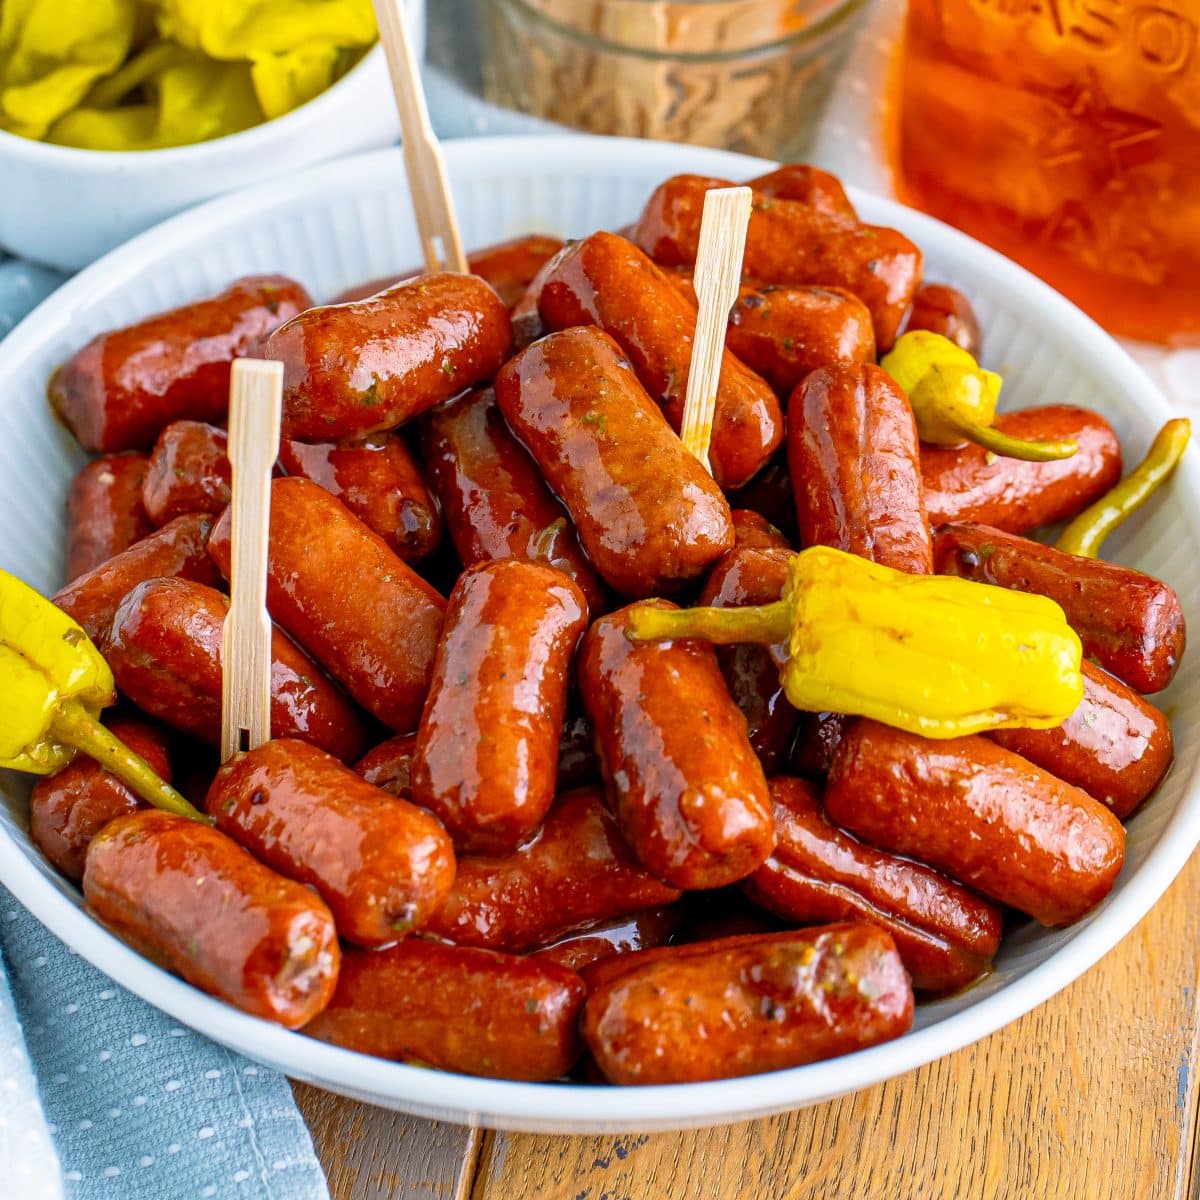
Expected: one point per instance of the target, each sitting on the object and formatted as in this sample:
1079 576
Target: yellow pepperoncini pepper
231 29
954 399
191 99
1085 534
931 654
145 74
285 81
296 48
55 684
52 52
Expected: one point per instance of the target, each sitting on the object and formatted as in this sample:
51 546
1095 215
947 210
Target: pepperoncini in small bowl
119 113
144 74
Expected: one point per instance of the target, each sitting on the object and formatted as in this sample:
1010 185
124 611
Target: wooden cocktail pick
255 402
432 202
718 273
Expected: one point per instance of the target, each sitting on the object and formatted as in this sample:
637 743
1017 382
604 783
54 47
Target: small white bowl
66 207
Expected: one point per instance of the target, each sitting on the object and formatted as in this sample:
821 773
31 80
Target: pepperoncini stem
766 623
1007 446
1086 533
74 726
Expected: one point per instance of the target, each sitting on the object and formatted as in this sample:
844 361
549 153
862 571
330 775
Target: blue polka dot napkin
138 1107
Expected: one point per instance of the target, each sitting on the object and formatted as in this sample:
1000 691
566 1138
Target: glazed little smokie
607 281
158 882
970 483
462 1009
740 1006
748 575
508 266
358 368
1130 623
982 814
945 310
690 796
188 472
1115 746
934 655
493 497
382 865
377 479
807 184
855 466
340 590
791 242
177 550
124 387
578 871
648 514
486 756
945 933
67 809
104 511
166 651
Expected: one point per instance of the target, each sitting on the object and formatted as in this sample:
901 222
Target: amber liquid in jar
1066 133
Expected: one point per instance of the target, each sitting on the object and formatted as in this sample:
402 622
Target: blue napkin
138 1106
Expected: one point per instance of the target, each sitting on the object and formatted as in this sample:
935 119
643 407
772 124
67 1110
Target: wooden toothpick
432 202
718 273
255 400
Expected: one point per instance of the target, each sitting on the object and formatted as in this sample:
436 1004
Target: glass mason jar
1066 133
749 75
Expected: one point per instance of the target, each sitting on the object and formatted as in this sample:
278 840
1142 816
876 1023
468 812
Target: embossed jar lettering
1067 134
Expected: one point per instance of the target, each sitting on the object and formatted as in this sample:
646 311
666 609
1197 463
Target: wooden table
1091 1097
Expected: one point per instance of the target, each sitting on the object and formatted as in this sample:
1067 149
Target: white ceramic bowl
350 220
66 207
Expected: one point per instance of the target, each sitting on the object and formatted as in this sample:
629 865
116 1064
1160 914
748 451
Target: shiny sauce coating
486 759
382 865
980 813
689 794
192 900
577 870
946 935
337 588
648 514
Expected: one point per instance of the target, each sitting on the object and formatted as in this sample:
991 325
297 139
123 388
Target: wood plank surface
375 1154
1091 1097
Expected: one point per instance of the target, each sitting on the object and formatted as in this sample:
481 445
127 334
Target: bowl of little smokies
117 113
604 792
